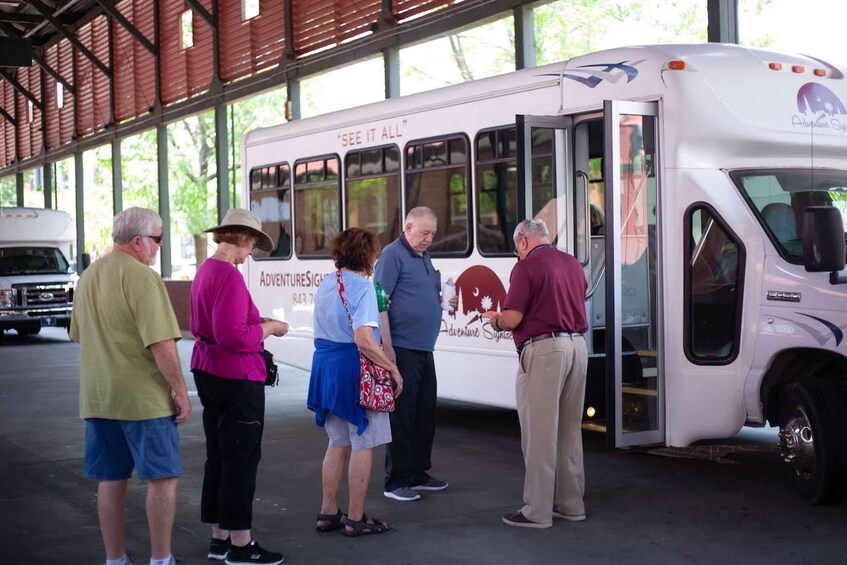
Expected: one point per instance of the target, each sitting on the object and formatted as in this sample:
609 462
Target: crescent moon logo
475 291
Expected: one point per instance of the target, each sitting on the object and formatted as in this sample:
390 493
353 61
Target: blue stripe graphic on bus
837 333
592 75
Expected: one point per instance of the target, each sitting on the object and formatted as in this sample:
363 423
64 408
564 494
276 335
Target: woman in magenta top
229 372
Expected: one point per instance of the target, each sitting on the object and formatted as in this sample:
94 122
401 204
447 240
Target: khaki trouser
550 391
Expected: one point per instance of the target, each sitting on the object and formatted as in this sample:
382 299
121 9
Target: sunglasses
156 238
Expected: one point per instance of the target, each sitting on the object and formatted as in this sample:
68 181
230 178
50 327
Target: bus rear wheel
812 438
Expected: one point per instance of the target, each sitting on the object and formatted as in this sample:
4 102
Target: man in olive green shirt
132 392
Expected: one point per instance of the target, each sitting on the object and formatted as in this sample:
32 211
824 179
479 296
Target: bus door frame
612 112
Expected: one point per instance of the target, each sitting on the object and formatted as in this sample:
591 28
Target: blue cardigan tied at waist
334 383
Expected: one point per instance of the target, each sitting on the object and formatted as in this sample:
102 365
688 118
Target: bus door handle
587 216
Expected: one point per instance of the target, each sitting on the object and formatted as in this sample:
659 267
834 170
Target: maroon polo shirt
548 288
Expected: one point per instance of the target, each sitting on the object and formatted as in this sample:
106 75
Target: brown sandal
364 527
335 521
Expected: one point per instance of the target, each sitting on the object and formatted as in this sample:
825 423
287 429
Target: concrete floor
642 508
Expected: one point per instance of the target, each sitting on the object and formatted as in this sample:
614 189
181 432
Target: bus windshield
780 197
32 261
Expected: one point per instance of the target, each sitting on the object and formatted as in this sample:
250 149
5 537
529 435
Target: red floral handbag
376 389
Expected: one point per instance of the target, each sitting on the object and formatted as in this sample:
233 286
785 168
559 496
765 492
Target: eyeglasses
156 238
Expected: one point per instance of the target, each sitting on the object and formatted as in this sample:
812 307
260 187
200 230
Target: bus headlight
7 298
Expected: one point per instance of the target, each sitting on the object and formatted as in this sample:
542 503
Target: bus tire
812 438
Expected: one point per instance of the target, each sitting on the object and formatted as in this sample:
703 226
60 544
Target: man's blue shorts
114 447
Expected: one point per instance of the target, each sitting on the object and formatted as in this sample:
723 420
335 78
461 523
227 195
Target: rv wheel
812 439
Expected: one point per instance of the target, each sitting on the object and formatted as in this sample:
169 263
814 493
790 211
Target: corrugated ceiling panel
51 110
355 18
36 129
172 57
124 68
102 82
235 43
405 9
268 35
9 141
145 63
84 83
200 57
322 23
66 113
22 115
247 47
313 24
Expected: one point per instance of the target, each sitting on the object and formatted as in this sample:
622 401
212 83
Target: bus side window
372 191
270 199
317 213
437 176
714 283
496 190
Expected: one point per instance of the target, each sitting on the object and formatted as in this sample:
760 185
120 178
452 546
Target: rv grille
43 294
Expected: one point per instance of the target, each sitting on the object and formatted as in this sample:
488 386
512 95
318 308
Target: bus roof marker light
798 69
820 72
676 65
775 66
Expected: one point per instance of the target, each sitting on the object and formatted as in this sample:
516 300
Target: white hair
133 222
531 228
419 213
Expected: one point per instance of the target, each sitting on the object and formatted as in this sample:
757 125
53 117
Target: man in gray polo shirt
410 328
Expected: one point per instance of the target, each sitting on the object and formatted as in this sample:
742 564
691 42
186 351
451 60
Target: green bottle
381 299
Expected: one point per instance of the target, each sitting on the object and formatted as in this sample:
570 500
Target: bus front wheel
812 437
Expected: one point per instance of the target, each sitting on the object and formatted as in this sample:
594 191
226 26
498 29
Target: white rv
703 187
36 278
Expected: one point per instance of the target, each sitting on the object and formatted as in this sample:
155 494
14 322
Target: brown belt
548 335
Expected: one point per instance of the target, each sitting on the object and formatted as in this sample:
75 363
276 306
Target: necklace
227 257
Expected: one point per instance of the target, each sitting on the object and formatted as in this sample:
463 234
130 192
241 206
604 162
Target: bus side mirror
823 239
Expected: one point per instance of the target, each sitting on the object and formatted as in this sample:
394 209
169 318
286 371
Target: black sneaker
252 553
218 549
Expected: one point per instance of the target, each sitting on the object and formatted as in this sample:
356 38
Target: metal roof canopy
123 68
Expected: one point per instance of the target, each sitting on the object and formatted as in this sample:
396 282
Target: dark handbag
271 370
376 388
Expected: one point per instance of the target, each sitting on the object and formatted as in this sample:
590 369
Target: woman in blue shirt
334 385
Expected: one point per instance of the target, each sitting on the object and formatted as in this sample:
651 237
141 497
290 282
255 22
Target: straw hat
238 218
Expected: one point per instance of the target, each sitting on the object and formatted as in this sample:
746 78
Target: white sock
164 561
120 561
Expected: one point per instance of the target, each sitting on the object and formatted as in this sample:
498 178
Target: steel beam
109 7
164 199
45 11
723 21
201 9
47 176
79 184
20 88
117 178
8 116
222 160
524 37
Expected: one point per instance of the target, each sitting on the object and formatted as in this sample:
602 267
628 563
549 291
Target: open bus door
636 388
572 171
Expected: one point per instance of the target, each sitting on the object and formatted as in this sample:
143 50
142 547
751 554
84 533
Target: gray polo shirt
415 289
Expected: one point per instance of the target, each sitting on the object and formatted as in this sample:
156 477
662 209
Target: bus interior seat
781 219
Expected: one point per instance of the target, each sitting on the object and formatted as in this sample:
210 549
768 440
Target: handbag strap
344 301
341 294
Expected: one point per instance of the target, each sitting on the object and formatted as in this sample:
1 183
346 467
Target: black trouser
407 457
233 419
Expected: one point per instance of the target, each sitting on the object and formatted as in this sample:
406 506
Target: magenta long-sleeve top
226 324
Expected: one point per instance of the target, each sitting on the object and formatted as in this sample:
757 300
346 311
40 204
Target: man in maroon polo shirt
545 311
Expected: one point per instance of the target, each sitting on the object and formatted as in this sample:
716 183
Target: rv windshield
780 196
32 261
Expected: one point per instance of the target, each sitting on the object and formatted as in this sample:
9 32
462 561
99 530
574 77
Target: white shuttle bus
701 186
